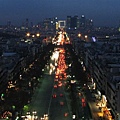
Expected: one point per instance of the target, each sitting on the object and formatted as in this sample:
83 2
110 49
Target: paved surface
92 102
44 103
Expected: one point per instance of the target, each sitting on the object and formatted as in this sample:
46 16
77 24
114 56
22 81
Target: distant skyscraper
82 21
68 22
89 23
50 24
8 23
72 22
31 24
47 23
27 23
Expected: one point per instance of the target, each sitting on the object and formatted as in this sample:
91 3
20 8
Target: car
59 84
56 76
66 114
61 95
54 95
46 116
35 117
28 113
55 86
61 103
55 80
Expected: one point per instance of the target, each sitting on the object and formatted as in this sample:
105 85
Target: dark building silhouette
82 21
72 22
27 23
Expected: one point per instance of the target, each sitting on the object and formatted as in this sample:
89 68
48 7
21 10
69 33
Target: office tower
68 22
47 24
50 24
27 23
89 23
72 22
8 23
83 21
31 24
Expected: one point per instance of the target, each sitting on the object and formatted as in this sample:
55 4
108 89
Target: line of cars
60 77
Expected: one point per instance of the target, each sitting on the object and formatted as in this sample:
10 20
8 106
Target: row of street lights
32 35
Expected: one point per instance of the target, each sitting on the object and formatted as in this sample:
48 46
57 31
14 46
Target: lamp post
79 35
28 34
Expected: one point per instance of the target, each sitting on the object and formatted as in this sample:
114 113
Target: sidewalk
95 111
93 104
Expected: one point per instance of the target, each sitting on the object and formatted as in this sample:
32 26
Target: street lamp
28 34
38 35
86 36
79 35
33 36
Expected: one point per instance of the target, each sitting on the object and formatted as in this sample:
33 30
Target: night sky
103 12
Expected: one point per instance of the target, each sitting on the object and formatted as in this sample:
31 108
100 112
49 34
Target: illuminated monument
62 23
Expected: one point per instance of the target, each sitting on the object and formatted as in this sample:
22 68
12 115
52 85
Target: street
50 99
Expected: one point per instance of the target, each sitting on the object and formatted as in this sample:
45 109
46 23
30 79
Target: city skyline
103 13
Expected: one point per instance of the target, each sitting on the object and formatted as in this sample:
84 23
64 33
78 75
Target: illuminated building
62 23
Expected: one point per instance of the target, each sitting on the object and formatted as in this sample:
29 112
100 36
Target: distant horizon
20 23
103 12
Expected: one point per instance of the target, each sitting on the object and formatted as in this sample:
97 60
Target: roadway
43 101
42 96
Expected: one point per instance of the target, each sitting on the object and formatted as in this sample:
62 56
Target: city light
28 34
86 36
79 35
38 35
33 36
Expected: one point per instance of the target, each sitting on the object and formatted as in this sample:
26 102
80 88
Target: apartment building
102 60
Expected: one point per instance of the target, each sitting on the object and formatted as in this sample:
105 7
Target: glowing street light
79 35
86 36
33 36
38 34
28 34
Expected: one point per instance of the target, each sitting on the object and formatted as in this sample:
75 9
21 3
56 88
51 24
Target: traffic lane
41 98
80 106
59 108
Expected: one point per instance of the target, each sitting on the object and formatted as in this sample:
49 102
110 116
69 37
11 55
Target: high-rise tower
82 21
72 22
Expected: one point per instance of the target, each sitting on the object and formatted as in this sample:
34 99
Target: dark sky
103 12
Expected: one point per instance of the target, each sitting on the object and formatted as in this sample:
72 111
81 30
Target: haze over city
103 12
